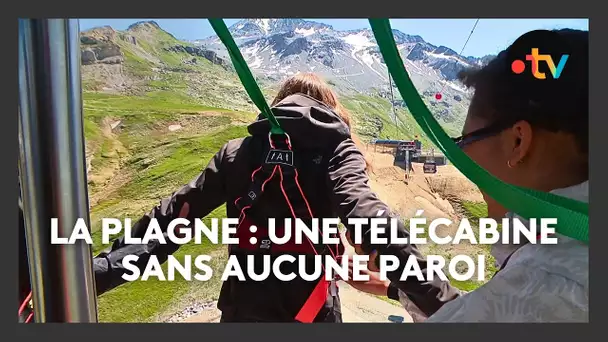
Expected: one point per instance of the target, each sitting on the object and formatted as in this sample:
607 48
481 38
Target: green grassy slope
474 211
154 163
374 119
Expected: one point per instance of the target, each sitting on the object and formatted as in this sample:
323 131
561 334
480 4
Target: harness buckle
287 140
279 155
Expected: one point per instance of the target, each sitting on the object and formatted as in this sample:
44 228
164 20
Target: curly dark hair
560 104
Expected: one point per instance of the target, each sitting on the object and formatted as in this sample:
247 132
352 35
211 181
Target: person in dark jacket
332 175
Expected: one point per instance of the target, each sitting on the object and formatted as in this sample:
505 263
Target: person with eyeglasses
532 133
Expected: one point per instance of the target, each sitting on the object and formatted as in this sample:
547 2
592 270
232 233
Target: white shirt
540 283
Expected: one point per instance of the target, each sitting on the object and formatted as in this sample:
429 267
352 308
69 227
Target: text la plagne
378 231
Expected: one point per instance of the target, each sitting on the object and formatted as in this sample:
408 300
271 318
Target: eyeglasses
482 133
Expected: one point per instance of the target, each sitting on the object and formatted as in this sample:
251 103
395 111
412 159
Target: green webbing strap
245 74
572 216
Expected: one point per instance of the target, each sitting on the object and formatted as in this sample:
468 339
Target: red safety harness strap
26 311
280 161
314 303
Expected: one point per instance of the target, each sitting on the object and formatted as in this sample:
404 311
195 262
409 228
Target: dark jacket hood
309 123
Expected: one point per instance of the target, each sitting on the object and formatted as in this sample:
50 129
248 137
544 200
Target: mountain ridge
278 48
145 59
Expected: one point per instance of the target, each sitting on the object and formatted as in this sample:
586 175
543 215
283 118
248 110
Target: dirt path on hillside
435 194
439 195
106 157
105 175
357 307
360 307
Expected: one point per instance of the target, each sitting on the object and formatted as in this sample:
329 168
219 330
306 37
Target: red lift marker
438 96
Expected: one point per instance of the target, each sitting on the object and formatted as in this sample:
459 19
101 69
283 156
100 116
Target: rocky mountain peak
143 25
277 48
97 35
265 27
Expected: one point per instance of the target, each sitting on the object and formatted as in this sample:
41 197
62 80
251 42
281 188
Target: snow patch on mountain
305 32
358 41
265 25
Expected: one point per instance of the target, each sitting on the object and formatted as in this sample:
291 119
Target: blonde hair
314 86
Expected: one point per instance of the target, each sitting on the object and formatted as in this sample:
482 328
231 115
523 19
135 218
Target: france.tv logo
518 66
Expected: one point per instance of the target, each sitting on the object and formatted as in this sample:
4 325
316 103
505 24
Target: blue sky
490 36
